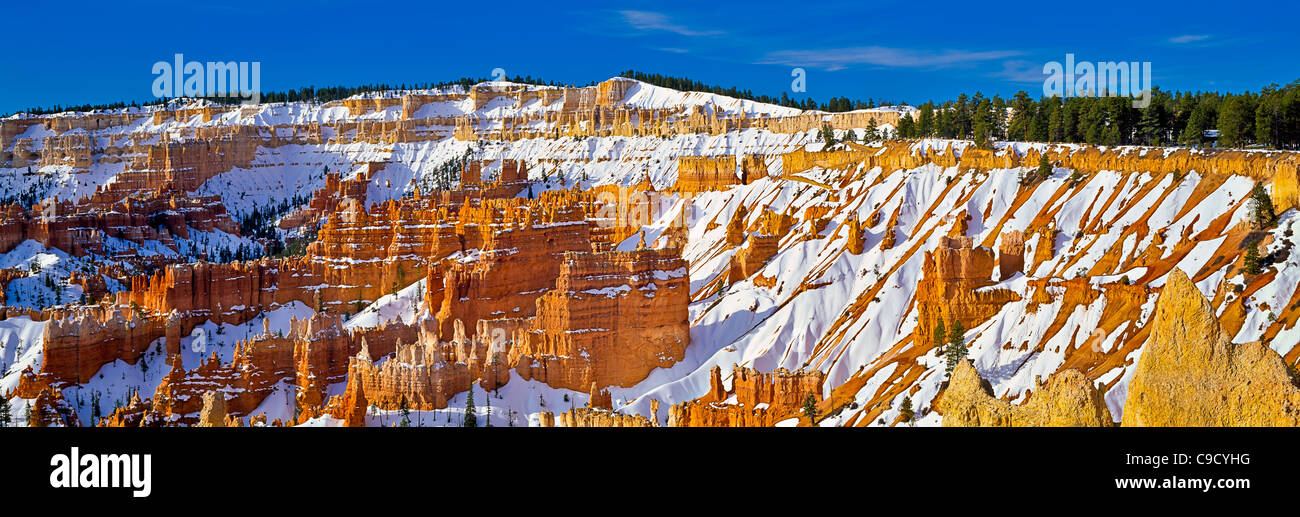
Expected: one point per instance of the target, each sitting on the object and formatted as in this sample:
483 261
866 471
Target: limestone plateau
627 255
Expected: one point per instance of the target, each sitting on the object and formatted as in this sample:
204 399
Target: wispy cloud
1021 71
674 50
652 21
1189 38
839 58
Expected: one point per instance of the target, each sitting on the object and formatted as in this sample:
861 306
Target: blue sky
75 52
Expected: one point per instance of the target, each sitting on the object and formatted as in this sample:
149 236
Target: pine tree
1236 121
1261 205
956 333
925 121
906 128
982 125
1023 113
940 334
906 410
1202 117
956 349
5 418
810 409
471 420
406 413
828 135
1044 167
1151 124
1252 263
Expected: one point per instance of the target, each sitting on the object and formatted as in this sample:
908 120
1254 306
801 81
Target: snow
20 347
401 307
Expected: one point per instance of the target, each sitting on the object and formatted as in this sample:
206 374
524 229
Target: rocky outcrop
1011 254
706 173
611 319
354 400
702 414
782 391
80 227
213 413
751 257
77 343
950 289
1068 399
418 375
759 246
755 399
311 356
1191 374
136 413
50 409
521 254
423 375
597 417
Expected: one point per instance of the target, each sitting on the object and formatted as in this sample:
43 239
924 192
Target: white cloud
1021 71
1189 38
652 21
839 58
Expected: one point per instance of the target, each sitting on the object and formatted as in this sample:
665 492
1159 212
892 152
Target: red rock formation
77 343
419 374
611 319
186 165
80 227
30 384
750 258
323 350
761 399
947 292
312 355
736 227
214 412
855 245
50 409
1011 254
697 414
521 247
596 417
783 391
761 246
356 404
705 173
136 413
